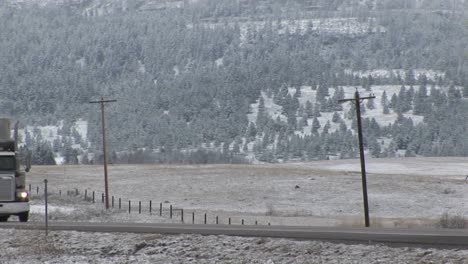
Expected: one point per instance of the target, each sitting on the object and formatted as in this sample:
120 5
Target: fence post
29 188
139 207
193 217
129 206
112 201
120 203
46 209
229 220
37 190
170 211
85 194
242 221
160 209
205 218
217 220
150 209
102 198
182 215
93 198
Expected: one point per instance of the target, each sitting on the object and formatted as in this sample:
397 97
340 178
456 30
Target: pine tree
394 102
280 97
322 93
303 122
375 148
409 77
315 126
337 96
370 104
261 114
384 102
292 122
421 104
309 109
317 110
251 131
326 128
336 117
298 93
422 80
409 98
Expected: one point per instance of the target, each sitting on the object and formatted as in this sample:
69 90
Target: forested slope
188 77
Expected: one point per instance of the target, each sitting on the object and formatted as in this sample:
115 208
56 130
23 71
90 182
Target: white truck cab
14 199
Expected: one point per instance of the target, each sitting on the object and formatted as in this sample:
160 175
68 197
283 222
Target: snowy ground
20 247
402 193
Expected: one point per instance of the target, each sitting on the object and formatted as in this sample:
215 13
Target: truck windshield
7 163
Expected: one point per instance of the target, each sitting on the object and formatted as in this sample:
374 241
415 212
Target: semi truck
14 198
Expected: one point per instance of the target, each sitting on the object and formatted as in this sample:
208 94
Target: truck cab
14 199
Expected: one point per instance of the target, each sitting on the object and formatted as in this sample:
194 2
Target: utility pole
357 102
106 185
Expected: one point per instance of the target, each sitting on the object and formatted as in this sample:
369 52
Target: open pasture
402 192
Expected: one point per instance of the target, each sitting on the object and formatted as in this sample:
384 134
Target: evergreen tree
394 103
336 117
384 102
421 103
322 93
251 131
410 78
375 148
326 128
309 109
298 93
303 122
261 114
280 97
315 125
370 104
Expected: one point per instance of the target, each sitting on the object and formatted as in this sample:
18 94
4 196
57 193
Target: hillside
191 76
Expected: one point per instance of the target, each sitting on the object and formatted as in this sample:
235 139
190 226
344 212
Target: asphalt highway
421 237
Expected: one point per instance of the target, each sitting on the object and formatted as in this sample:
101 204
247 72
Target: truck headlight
23 195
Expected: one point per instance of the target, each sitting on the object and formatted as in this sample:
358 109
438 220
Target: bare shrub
270 211
447 220
449 191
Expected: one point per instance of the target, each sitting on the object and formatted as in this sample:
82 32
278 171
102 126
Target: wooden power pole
106 184
357 102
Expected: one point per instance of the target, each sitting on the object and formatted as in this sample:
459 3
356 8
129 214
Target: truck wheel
23 217
4 218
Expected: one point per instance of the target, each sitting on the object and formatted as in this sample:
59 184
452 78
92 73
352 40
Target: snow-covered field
407 192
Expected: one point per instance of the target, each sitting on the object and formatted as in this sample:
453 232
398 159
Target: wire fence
148 208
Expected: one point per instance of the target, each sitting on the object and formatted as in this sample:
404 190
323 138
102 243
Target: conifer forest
213 81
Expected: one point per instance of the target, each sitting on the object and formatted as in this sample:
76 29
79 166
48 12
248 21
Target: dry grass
451 221
400 193
355 221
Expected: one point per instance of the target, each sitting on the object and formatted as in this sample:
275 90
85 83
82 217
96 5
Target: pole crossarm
106 185
102 101
354 99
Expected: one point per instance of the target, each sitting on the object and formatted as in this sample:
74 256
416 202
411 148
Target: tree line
180 87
